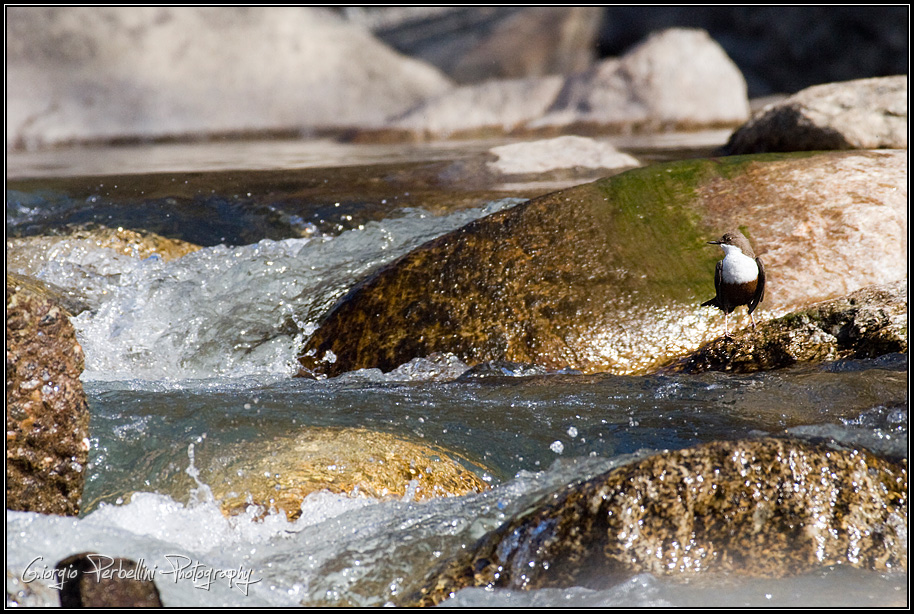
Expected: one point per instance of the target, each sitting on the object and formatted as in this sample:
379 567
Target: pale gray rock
501 106
860 114
562 152
121 73
675 78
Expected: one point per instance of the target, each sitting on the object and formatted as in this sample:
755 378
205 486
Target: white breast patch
738 268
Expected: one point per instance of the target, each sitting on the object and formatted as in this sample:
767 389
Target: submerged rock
609 276
349 461
861 114
140 244
765 507
47 415
865 324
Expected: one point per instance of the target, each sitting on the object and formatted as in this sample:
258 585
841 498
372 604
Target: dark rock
865 324
810 45
90 580
609 276
863 114
763 508
47 416
480 43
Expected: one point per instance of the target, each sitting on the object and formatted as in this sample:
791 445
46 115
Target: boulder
610 275
811 44
865 324
678 78
564 152
478 110
757 508
137 73
674 79
280 474
862 114
90 580
47 415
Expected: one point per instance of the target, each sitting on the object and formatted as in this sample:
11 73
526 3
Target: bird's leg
726 325
752 319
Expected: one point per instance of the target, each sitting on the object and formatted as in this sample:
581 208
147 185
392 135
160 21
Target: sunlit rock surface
678 78
861 114
765 507
120 73
675 78
348 461
609 276
47 416
865 324
562 152
137 244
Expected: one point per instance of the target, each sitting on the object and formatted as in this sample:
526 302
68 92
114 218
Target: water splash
225 311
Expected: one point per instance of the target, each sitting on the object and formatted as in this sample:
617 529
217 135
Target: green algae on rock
766 508
47 415
608 276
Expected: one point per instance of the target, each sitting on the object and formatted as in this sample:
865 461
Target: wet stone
759 508
90 580
47 415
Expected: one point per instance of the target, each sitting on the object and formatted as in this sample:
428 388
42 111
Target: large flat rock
609 276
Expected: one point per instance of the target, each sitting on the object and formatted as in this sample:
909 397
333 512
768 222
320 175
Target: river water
189 358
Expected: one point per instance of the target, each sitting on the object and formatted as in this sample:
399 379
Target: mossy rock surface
609 276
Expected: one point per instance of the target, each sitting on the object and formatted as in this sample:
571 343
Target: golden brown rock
47 416
283 472
766 507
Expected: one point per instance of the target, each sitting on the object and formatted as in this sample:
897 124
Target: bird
739 278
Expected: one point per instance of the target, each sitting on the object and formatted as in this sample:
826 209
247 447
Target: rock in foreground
47 415
766 507
90 580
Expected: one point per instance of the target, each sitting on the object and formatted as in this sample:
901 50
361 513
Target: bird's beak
713 242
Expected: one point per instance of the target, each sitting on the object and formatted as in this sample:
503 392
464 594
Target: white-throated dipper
739 278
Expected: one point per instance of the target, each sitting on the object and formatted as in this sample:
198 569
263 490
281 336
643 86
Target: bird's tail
712 303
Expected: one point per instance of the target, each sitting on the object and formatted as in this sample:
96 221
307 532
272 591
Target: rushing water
189 358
